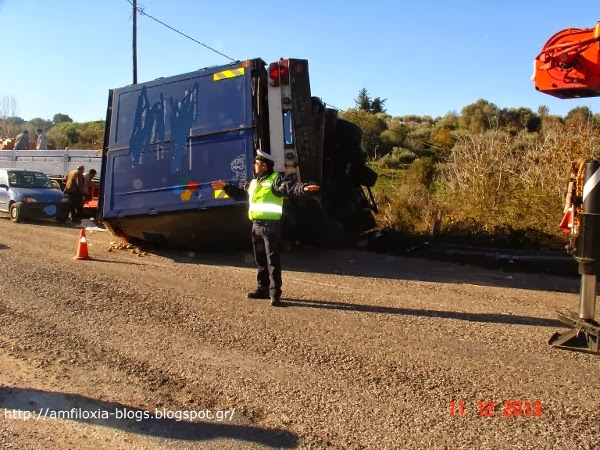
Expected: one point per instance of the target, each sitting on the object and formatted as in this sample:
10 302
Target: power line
141 10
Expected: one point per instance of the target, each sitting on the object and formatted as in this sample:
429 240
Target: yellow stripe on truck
220 193
228 74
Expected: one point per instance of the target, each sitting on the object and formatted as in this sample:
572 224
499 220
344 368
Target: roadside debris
127 246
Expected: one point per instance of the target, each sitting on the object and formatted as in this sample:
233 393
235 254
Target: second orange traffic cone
566 223
82 248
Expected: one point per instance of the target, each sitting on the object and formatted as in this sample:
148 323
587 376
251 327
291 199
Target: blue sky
425 57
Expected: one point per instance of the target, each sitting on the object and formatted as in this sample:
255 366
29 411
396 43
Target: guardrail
51 162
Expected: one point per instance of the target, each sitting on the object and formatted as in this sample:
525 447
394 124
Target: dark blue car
28 194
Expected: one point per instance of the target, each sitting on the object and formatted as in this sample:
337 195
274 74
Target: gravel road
369 351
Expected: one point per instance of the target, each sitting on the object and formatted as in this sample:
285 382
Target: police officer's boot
275 301
259 294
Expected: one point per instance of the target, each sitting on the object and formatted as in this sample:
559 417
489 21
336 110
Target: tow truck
569 67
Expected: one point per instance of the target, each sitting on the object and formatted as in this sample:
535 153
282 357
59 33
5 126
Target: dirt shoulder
368 351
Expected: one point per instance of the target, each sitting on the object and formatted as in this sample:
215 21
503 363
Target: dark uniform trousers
76 205
266 235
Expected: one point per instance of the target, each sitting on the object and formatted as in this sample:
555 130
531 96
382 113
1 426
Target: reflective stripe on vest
264 205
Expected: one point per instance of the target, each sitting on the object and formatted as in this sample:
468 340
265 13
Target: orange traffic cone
566 223
82 248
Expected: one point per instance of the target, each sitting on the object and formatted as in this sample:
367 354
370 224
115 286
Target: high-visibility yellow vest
264 205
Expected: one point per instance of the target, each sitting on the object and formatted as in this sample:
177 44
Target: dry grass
491 188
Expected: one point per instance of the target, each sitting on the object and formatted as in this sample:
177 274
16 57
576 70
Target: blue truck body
166 140
172 137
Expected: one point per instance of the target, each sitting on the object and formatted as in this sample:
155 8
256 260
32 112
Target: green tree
480 116
372 127
412 119
579 114
60 118
449 121
543 111
395 134
377 105
419 137
363 101
513 118
92 135
38 122
87 135
64 134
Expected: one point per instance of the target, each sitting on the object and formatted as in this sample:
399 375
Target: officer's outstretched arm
288 188
232 191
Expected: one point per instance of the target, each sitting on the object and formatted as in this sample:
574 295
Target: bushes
88 135
405 202
513 183
492 187
398 158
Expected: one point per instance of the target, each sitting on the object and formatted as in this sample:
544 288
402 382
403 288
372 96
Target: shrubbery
87 135
493 187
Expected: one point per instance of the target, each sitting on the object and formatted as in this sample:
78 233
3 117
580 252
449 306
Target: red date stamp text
489 408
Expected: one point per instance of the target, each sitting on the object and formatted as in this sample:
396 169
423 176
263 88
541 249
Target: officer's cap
262 156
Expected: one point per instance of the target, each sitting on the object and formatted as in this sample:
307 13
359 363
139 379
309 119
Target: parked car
29 194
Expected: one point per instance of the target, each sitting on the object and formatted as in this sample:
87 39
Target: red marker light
274 74
284 74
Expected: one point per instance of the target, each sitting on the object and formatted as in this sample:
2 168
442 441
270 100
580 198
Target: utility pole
134 41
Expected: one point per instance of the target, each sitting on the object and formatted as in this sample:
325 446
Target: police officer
265 195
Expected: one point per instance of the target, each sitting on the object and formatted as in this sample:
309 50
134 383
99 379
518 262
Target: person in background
74 189
42 140
88 178
22 141
265 195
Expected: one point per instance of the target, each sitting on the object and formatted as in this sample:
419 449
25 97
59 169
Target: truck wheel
348 134
358 156
15 213
363 175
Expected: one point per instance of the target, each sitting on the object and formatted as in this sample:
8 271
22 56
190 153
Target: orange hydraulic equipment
569 64
582 221
569 67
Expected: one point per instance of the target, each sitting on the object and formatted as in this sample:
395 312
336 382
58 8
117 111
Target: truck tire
348 134
363 175
15 213
357 155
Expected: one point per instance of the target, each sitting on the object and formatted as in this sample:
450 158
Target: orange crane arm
569 64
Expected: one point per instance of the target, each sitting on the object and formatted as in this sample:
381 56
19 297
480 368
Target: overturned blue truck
167 139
